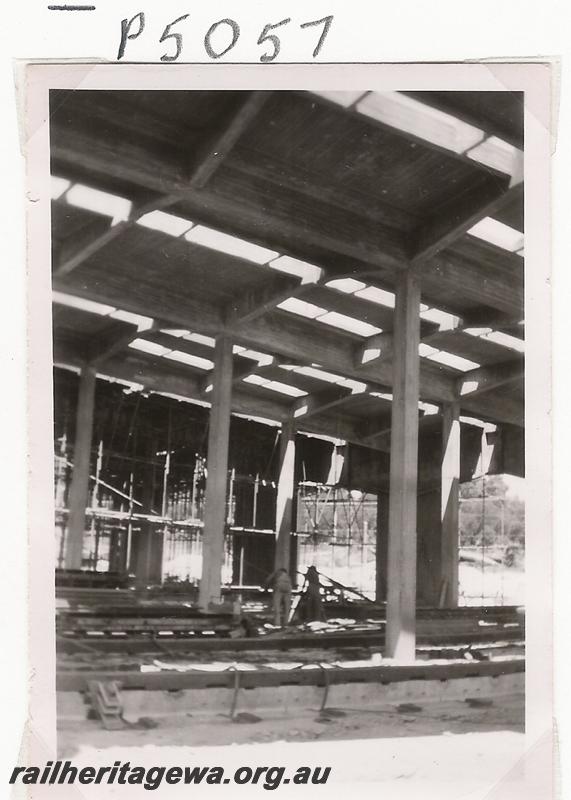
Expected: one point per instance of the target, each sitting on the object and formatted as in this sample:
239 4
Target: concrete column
449 507
401 601
285 500
429 543
217 475
147 545
79 489
382 548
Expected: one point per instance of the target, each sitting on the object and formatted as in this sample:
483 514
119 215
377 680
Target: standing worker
314 604
279 581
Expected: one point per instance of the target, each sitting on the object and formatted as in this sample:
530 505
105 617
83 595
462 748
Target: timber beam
155 376
77 151
208 161
73 253
293 339
491 377
324 400
459 215
259 301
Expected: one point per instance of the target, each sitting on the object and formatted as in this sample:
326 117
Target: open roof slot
143 323
110 205
313 372
274 386
499 234
344 99
58 186
503 339
346 285
82 304
165 223
190 360
152 348
303 309
376 295
308 273
349 324
447 359
443 319
420 120
200 338
178 333
231 245
361 290
499 155
429 409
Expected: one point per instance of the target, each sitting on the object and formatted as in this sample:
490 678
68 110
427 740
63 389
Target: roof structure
283 220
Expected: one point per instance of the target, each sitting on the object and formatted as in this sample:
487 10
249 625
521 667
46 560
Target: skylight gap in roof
231 245
443 319
498 233
109 205
149 347
349 324
345 285
82 304
376 295
359 289
446 358
190 360
308 273
274 386
303 309
58 187
344 99
143 323
497 154
503 339
165 223
418 119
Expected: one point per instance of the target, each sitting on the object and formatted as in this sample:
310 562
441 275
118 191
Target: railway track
78 681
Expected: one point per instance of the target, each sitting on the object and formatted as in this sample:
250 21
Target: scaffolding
336 532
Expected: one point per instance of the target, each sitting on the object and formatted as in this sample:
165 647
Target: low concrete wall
290 699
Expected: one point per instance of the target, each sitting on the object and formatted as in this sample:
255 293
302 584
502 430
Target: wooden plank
285 499
217 477
79 489
449 503
401 601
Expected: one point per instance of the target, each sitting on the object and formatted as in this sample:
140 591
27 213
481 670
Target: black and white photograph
288 507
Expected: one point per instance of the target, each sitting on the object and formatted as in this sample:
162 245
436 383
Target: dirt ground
442 719
463 750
